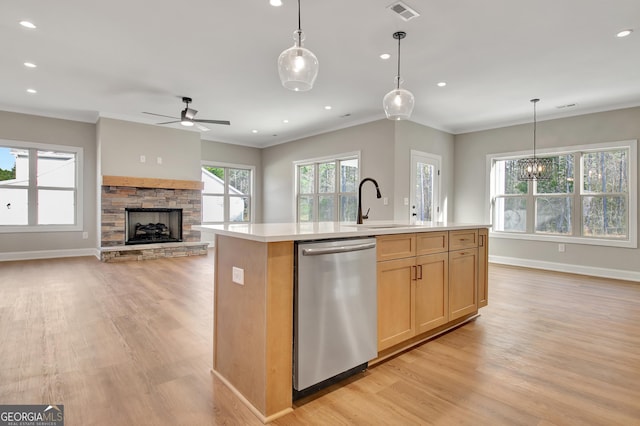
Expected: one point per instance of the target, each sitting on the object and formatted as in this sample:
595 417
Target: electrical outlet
85 235
561 248
237 275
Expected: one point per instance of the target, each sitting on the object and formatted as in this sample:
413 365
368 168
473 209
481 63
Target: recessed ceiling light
254 131
32 91
327 107
624 33
28 24
385 56
442 84
285 121
30 65
276 3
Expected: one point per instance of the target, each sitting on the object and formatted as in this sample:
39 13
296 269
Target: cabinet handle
420 277
481 240
414 272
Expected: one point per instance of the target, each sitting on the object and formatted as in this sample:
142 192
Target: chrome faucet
378 195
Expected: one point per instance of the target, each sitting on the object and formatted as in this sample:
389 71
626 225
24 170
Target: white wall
31 128
472 200
123 142
374 140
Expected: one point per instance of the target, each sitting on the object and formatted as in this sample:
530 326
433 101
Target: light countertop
272 232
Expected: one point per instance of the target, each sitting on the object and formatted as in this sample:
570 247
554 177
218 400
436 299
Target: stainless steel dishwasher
335 327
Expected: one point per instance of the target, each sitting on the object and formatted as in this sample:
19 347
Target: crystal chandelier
535 168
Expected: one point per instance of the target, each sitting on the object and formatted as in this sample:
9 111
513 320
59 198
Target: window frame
32 188
577 196
355 155
226 195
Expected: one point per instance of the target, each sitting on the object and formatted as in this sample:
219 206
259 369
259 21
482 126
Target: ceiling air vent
404 11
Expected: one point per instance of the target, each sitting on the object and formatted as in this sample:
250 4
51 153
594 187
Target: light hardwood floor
131 344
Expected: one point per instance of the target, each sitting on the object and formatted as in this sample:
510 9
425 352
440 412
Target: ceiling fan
187 117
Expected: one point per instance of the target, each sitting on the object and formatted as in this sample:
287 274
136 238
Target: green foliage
8 174
217 171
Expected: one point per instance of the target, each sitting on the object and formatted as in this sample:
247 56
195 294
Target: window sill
17 229
629 243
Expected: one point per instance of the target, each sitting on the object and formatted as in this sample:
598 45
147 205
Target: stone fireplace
165 210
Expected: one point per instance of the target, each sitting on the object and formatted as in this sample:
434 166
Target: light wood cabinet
396 292
483 267
426 280
412 290
432 292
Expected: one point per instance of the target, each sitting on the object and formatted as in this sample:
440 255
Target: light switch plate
561 248
237 275
143 158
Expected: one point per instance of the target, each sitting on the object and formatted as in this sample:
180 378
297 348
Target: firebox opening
155 225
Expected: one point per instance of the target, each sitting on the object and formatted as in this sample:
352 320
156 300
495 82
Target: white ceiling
119 58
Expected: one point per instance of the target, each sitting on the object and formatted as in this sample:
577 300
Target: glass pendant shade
398 104
297 66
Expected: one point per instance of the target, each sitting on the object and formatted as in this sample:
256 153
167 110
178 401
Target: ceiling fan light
187 123
398 104
298 66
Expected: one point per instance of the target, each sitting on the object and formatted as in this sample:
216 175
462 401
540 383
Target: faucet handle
366 215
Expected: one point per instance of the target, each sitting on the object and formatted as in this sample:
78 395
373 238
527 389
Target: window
227 194
39 187
326 190
586 201
425 181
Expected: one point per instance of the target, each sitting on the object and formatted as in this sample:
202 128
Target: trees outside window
587 197
326 190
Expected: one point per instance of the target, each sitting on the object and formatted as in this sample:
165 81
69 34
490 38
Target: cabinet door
396 290
483 267
463 282
432 291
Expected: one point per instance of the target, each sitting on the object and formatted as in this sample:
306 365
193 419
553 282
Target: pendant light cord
299 26
535 101
398 82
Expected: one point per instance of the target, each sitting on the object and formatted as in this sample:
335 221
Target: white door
425 187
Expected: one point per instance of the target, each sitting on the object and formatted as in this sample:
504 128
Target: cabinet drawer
467 238
432 242
396 246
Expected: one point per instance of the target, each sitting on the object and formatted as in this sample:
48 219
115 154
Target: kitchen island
431 277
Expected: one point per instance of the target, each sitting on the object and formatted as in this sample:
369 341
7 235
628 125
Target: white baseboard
49 254
572 269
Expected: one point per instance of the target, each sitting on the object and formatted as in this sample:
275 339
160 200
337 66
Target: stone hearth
119 193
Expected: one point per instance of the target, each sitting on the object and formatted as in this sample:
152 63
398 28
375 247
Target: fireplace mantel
137 182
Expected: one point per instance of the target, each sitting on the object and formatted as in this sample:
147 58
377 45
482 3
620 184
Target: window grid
229 199
325 199
527 198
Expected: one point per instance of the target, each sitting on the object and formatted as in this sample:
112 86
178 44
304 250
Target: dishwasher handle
337 249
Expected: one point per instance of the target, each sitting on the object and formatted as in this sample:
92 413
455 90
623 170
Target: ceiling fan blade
225 122
169 122
201 127
160 115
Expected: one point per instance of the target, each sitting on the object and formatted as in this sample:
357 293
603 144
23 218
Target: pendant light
535 168
297 66
398 103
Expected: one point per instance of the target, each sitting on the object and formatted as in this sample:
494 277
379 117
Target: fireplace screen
147 226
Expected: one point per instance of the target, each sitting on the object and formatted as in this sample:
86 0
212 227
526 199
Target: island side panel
239 345
279 326
253 326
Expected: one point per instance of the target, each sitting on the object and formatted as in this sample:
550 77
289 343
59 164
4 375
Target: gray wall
414 136
374 140
241 155
122 143
44 130
471 198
